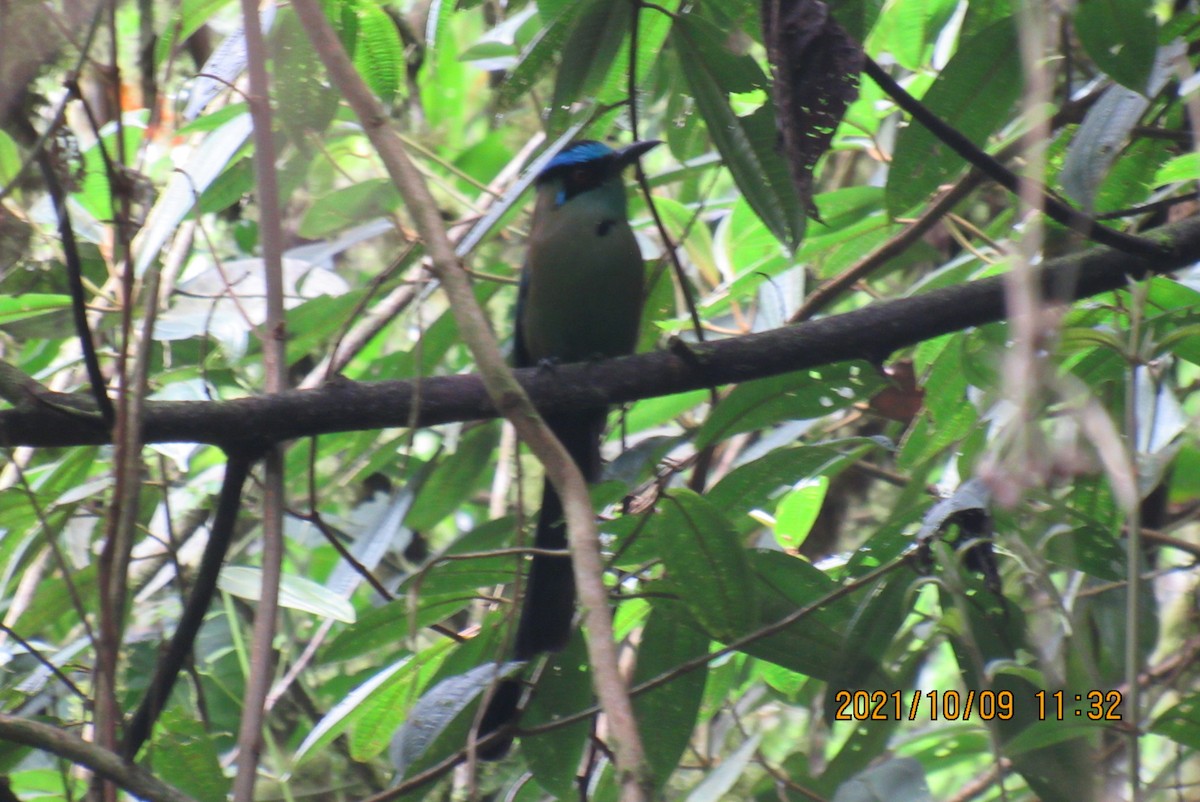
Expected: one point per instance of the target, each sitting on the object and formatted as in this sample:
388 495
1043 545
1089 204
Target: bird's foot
682 349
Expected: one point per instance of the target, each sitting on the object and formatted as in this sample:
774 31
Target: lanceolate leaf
706 564
378 51
974 95
667 714
745 156
587 56
538 56
1121 36
564 687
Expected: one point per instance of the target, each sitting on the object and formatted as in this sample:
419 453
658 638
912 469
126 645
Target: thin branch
1054 208
46 662
274 337
738 644
827 292
203 589
262 651
87 344
112 767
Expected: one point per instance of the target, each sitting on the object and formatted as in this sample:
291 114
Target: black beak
631 153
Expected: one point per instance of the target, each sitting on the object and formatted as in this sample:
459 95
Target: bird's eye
580 175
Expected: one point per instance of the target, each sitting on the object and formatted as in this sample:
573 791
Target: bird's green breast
585 281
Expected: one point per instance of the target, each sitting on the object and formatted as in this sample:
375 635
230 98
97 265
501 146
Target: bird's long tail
549 603
549 599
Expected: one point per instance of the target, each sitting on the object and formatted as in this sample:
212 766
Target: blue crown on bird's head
578 152
587 152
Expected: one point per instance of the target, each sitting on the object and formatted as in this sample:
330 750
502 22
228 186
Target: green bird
580 299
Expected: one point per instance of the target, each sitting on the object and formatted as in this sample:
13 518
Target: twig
825 294
274 337
75 283
203 588
1054 208
45 661
106 764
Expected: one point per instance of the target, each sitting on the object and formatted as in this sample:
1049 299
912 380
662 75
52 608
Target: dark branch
871 333
87 344
203 590
1054 208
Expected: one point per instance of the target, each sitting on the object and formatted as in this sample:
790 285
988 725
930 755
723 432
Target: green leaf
10 159
29 305
454 478
1181 723
1129 181
812 644
755 484
1121 36
680 220
349 206
441 721
230 186
1180 168
54 599
792 396
750 167
798 511
974 94
653 29
312 324
306 103
856 16
908 29
706 564
94 192
186 756
564 688
295 592
383 626
394 687
878 615
391 703
1052 732
667 714
536 58
588 55
1089 548
378 52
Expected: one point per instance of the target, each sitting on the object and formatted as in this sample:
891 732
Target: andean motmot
580 299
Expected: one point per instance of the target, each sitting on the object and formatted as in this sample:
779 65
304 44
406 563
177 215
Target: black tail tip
500 719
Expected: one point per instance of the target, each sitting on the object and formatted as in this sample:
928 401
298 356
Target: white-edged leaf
295 592
223 66
439 707
1106 128
340 716
203 166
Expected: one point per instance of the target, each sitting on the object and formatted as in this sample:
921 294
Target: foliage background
796 491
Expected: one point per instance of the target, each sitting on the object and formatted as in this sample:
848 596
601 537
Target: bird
580 299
